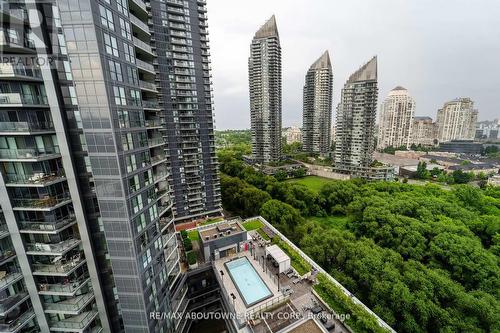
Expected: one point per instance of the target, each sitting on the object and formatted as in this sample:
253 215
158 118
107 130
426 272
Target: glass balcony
36 179
29 153
138 23
17 324
145 66
57 249
4 231
153 142
16 43
9 303
140 4
72 305
6 256
64 289
48 202
62 268
46 227
16 99
7 279
150 104
19 72
24 127
147 86
143 46
78 322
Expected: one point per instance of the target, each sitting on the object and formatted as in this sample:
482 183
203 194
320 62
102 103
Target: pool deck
268 277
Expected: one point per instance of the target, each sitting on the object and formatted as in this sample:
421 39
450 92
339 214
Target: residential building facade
456 120
488 130
355 122
292 135
100 149
317 107
396 119
424 131
264 71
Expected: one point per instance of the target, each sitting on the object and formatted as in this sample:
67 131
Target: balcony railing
47 202
28 153
46 225
74 304
24 126
58 248
18 99
9 278
140 4
142 45
9 302
150 104
68 288
147 85
6 255
135 20
77 322
9 70
58 268
145 65
18 322
36 178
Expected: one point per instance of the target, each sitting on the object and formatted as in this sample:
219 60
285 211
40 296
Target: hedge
359 320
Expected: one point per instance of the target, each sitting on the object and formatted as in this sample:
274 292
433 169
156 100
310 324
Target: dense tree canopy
425 259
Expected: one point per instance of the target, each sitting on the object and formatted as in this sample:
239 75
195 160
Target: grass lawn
337 222
252 225
193 235
314 183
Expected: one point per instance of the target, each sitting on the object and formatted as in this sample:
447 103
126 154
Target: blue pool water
248 282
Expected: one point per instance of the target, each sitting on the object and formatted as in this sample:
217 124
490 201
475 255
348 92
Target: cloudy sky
437 49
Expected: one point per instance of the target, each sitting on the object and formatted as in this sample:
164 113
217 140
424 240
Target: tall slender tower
456 120
396 119
264 70
356 113
317 108
96 147
185 91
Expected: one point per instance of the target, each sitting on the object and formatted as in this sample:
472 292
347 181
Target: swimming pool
248 282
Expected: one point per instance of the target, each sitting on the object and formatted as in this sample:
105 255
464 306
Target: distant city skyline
425 47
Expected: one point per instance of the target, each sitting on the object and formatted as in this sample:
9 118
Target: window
122 7
111 45
129 52
125 29
137 204
127 141
146 258
106 18
135 96
132 75
120 98
123 119
115 69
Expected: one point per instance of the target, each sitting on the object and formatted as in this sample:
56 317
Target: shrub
360 320
191 258
184 234
188 246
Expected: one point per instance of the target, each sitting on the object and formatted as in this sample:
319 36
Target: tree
280 175
422 172
461 177
299 173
